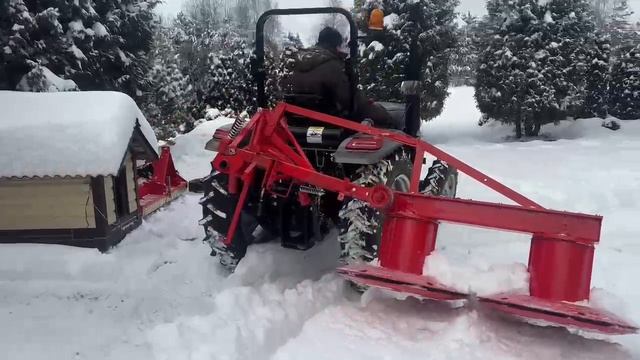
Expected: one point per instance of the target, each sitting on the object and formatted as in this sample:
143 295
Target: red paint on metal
398 281
421 146
560 270
365 143
560 313
568 226
164 185
406 243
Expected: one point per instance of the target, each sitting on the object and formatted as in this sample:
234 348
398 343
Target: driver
320 71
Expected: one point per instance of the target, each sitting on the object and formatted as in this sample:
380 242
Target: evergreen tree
464 57
168 101
100 44
619 26
384 62
598 78
533 69
625 85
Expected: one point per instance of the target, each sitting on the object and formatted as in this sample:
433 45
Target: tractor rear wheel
360 226
218 207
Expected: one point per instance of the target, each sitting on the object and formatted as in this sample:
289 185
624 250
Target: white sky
305 26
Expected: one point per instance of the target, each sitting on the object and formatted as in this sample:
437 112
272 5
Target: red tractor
332 150
293 172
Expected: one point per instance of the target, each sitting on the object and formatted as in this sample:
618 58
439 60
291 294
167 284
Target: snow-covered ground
160 296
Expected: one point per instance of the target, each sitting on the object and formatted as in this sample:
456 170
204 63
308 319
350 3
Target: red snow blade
560 313
418 285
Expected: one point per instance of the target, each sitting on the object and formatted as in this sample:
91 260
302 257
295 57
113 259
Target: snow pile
56 299
99 30
189 154
483 279
41 79
248 322
67 134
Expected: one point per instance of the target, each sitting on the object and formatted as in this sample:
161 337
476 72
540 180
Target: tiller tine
557 313
400 282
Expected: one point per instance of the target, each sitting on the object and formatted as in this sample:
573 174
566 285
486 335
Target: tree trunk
536 129
519 128
531 129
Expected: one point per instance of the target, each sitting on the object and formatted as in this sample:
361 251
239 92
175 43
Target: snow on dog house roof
70 133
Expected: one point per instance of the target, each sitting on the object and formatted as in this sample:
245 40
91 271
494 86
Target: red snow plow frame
562 245
164 185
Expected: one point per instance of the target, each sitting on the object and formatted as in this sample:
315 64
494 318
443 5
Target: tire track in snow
263 305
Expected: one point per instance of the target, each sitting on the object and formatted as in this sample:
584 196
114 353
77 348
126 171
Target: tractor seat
397 112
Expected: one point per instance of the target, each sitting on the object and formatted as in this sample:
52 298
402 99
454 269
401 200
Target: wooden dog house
67 167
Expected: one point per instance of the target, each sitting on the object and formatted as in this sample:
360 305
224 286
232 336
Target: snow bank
390 329
481 279
248 322
67 134
41 79
190 156
62 302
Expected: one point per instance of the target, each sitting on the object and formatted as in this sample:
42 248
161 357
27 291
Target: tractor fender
345 156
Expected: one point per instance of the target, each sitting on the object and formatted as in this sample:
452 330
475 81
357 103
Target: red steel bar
561 225
420 147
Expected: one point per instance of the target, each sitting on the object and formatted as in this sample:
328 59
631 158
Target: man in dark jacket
319 77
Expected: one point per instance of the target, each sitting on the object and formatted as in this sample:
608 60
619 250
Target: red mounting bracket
164 185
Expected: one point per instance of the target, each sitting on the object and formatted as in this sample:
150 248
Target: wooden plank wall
46 204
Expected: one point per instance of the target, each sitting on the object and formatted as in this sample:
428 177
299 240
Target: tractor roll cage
259 71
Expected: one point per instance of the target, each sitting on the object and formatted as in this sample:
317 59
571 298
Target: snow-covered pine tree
167 102
280 68
598 78
384 62
532 71
227 81
619 27
464 57
573 28
624 98
600 9
508 69
99 44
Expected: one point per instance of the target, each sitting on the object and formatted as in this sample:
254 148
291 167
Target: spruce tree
100 44
171 93
619 26
598 78
384 61
624 97
533 69
464 57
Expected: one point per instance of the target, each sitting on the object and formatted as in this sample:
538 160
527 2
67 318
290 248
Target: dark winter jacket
320 73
